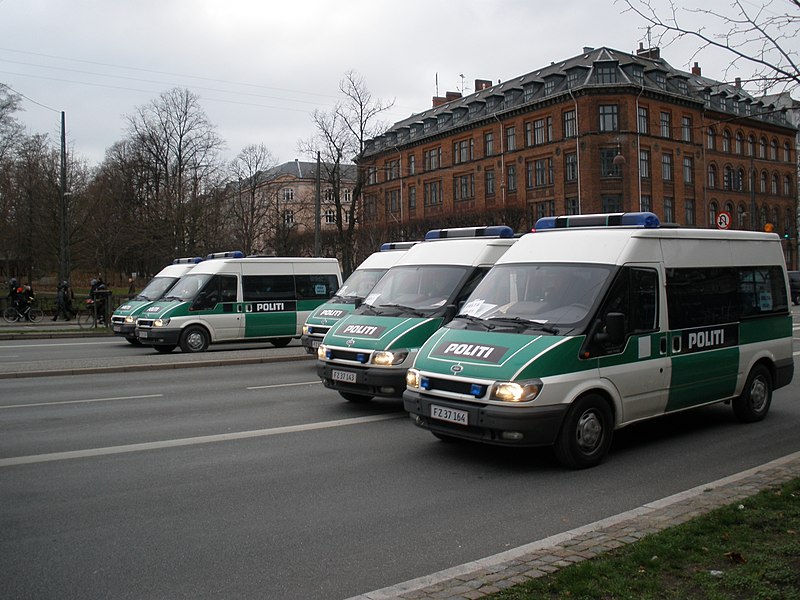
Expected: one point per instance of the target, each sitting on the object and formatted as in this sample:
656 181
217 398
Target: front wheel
586 432
85 320
280 342
756 397
194 339
36 315
356 398
10 315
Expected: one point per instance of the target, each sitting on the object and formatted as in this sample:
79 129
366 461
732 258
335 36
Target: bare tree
761 35
249 198
10 128
340 137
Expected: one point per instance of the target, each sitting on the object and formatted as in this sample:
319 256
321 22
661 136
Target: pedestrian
131 288
98 293
63 301
14 293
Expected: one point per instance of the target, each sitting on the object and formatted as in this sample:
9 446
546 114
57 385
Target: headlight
511 391
160 322
322 352
129 319
412 378
385 358
305 329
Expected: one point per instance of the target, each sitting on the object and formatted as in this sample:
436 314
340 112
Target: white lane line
281 385
203 439
62 343
85 401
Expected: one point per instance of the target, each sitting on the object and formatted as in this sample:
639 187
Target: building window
611 204
463 151
288 217
573 77
740 215
774 186
372 175
288 194
646 203
763 186
488 143
727 179
346 195
608 117
433 193
606 74
686 129
433 158
688 169
607 166
412 164
689 212
787 152
529 174
571 206
412 197
666 167
712 176
773 151
711 139
511 143
683 87
393 201
540 131
571 166
751 146
464 187
511 178
489 176
644 163
570 124
330 216
787 185
739 143
726 141
392 170
660 79
666 124
637 73
669 209
549 86
740 180
643 119
544 172
762 148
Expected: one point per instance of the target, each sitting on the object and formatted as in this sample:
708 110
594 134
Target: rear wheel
164 348
586 432
756 397
10 315
85 319
194 339
357 398
280 342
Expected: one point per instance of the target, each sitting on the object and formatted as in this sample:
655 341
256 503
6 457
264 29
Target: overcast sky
261 66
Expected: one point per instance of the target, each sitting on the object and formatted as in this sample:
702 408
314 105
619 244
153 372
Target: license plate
315 344
117 328
142 334
345 376
451 415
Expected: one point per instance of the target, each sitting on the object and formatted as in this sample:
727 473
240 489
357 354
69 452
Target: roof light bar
189 260
501 231
396 246
632 219
229 254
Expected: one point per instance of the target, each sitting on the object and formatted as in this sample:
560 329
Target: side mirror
358 302
450 313
615 328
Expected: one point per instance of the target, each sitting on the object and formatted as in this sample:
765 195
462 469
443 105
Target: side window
762 291
227 287
209 296
315 287
634 293
259 288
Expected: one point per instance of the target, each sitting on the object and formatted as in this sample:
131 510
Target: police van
351 294
123 321
232 298
367 353
594 322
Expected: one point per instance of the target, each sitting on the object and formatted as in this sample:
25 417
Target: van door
270 305
639 367
217 307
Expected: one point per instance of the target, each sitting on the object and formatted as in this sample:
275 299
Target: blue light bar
189 260
229 254
501 231
396 246
632 219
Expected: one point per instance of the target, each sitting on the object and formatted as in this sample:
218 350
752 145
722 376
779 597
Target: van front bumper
489 423
387 382
124 329
158 336
311 342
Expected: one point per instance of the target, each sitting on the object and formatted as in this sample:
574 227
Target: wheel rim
195 341
759 394
589 432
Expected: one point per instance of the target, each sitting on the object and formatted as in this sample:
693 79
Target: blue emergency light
189 260
500 231
629 219
396 246
229 254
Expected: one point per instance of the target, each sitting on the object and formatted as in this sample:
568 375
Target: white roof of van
458 251
383 259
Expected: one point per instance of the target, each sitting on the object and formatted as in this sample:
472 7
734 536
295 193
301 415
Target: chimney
696 70
482 84
738 83
438 101
653 53
587 49
450 96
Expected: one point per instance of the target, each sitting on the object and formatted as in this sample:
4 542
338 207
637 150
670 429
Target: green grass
749 550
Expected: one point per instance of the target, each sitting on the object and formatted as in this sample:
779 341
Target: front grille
455 386
359 356
144 322
117 320
317 329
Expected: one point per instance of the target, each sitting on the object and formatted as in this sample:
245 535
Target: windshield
359 284
418 288
187 287
560 296
157 287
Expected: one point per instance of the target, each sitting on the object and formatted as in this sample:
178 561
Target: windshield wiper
477 321
526 323
408 309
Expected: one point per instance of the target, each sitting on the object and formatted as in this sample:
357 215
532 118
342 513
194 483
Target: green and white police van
595 322
123 321
367 353
231 298
352 293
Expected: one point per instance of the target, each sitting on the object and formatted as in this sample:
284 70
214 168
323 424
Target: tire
356 398
85 320
281 342
164 348
586 433
194 339
756 397
36 315
133 341
10 315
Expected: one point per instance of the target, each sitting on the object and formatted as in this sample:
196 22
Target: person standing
63 301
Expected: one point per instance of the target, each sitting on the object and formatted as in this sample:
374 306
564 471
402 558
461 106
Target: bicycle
89 318
31 313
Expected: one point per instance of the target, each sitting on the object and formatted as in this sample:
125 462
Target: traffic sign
724 220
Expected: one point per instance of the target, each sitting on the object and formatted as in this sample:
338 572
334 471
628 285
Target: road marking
61 343
280 385
82 401
203 439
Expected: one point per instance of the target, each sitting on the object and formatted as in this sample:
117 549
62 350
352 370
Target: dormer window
573 78
606 73
683 87
637 73
660 79
549 86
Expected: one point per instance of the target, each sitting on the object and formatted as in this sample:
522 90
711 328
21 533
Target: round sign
724 220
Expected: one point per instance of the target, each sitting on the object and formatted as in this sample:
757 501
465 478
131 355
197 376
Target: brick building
604 131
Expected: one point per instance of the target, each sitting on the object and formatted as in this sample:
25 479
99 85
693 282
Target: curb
489 575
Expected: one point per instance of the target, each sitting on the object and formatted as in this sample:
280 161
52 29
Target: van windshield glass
416 288
188 286
157 287
558 295
358 285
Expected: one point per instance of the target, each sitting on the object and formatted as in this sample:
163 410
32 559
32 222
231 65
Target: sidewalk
492 574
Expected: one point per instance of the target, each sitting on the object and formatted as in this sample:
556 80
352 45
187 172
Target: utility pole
317 220
63 241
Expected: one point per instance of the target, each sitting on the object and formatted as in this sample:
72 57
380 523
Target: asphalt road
248 481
